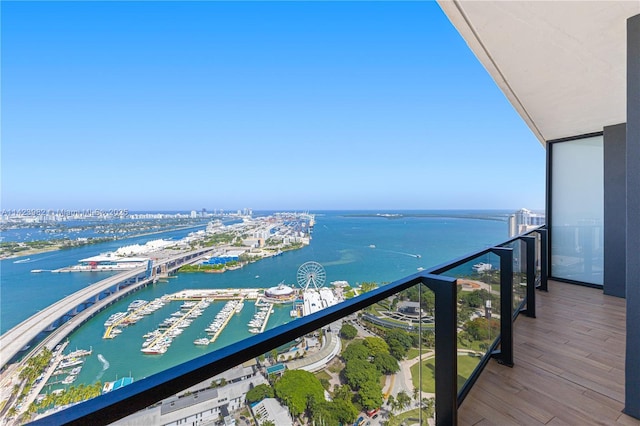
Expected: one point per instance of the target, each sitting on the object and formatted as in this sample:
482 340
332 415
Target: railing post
446 373
530 244
505 355
543 259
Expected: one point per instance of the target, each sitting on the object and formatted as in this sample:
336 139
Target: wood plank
569 365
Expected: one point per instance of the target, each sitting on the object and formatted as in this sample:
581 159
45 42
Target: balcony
458 316
561 362
568 365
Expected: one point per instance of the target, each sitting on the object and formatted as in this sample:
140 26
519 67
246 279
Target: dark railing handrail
141 394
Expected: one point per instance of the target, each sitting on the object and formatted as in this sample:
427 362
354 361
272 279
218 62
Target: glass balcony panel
519 272
375 363
478 311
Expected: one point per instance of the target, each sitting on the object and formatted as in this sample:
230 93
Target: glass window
577 209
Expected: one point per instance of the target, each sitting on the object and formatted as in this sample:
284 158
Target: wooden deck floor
569 365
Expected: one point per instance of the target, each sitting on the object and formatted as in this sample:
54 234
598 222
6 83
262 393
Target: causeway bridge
85 303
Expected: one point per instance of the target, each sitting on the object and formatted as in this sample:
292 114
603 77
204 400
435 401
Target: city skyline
306 106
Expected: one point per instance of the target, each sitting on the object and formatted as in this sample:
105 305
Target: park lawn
336 366
466 365
414 352
412 414
475 345
323 375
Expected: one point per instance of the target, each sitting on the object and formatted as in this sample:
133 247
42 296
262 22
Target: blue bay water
23 293
341 243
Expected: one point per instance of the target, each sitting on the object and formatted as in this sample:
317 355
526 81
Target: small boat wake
417 256
105 366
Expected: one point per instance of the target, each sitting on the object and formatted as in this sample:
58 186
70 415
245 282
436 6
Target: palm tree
403 400
392 402
12 412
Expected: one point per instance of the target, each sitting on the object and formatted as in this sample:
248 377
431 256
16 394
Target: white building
523 220
269 409
201 404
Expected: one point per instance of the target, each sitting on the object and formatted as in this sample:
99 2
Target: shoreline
58 246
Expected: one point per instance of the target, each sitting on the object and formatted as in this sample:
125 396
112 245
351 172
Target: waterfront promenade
24 333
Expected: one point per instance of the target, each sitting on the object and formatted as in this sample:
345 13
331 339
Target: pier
69 313
163 336
223 326
126 319
266 318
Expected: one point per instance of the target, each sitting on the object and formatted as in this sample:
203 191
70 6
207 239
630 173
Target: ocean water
342 242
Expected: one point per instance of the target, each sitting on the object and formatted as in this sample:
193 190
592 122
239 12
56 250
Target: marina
222 319
158 341
135 312
334 242
194 302
260 319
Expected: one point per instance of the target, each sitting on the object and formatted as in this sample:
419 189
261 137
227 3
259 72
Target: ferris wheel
311 274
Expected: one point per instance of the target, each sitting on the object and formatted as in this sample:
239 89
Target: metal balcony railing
522 268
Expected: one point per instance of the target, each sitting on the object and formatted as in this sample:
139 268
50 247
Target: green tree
296 388
323 414
342 392
399 342
348 332
370 395
403 400
358 371
391 401
259 393
481 328
376 345
356 350
386 363
368 286
344 410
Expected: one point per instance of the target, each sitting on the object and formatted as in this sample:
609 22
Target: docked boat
70 363
154 350
201 342
136 304
118 316
239 307
482 267
69 379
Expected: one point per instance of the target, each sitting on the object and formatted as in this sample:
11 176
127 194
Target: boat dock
78 353
218 294
131 318
162 340
260 319
266 318
224 324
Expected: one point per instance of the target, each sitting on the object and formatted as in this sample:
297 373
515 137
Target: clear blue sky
288 105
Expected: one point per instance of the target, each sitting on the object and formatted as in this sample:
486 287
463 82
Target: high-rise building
523 221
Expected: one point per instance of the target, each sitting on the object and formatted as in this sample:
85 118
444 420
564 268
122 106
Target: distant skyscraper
523 220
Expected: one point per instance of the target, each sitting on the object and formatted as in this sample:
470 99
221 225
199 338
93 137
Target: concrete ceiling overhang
561 64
